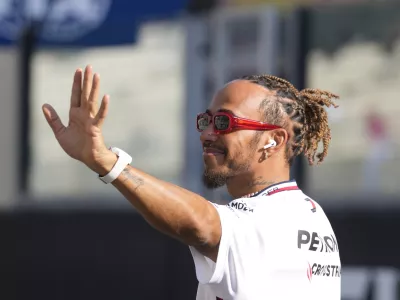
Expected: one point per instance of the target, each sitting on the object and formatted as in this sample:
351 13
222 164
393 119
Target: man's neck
243 185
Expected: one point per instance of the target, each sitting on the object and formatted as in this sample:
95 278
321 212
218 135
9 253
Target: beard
239 163
216 178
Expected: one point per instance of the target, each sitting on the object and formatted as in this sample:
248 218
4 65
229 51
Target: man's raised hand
82 139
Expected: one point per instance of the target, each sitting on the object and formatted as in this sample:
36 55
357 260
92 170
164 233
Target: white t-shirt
276 245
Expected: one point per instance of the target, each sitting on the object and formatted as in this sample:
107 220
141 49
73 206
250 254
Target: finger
76 89
87 86
102 113
94 94
53 119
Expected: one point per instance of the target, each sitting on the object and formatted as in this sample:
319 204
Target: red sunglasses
225 122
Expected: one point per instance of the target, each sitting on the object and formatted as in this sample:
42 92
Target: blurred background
65 235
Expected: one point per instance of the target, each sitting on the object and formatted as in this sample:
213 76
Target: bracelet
124 159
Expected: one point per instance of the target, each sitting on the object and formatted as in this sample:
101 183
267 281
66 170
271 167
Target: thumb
53 119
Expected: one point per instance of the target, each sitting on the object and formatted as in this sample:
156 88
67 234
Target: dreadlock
306 110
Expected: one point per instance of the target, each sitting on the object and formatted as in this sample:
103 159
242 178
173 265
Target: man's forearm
172 210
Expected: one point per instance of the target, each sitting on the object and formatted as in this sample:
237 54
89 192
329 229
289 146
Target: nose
208 134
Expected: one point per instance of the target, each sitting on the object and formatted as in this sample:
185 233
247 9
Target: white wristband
124 159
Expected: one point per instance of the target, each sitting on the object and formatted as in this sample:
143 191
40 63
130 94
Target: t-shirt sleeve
232 227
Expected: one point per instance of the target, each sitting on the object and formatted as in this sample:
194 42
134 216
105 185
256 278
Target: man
272 242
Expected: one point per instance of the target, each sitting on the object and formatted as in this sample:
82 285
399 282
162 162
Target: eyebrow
225 110
221 110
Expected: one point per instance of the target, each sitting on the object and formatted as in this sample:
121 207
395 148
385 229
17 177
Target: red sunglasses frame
236 123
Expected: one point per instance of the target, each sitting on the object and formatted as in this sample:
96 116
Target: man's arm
170 209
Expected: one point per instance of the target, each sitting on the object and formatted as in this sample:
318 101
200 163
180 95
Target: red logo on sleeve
309 272
314 207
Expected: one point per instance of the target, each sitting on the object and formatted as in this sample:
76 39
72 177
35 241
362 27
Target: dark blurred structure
27 46
201 6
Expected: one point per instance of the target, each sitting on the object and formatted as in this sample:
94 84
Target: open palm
82 139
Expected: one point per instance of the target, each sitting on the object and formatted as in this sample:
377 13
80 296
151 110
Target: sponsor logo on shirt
309 272
241 206
316 242
324 270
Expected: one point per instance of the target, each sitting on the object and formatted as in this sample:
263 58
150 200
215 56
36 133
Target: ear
280 136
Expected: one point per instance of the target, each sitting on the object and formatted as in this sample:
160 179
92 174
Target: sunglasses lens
221 122
203 121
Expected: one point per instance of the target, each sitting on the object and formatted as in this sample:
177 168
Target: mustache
209 144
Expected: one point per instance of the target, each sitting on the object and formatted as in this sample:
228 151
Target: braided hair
306 110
